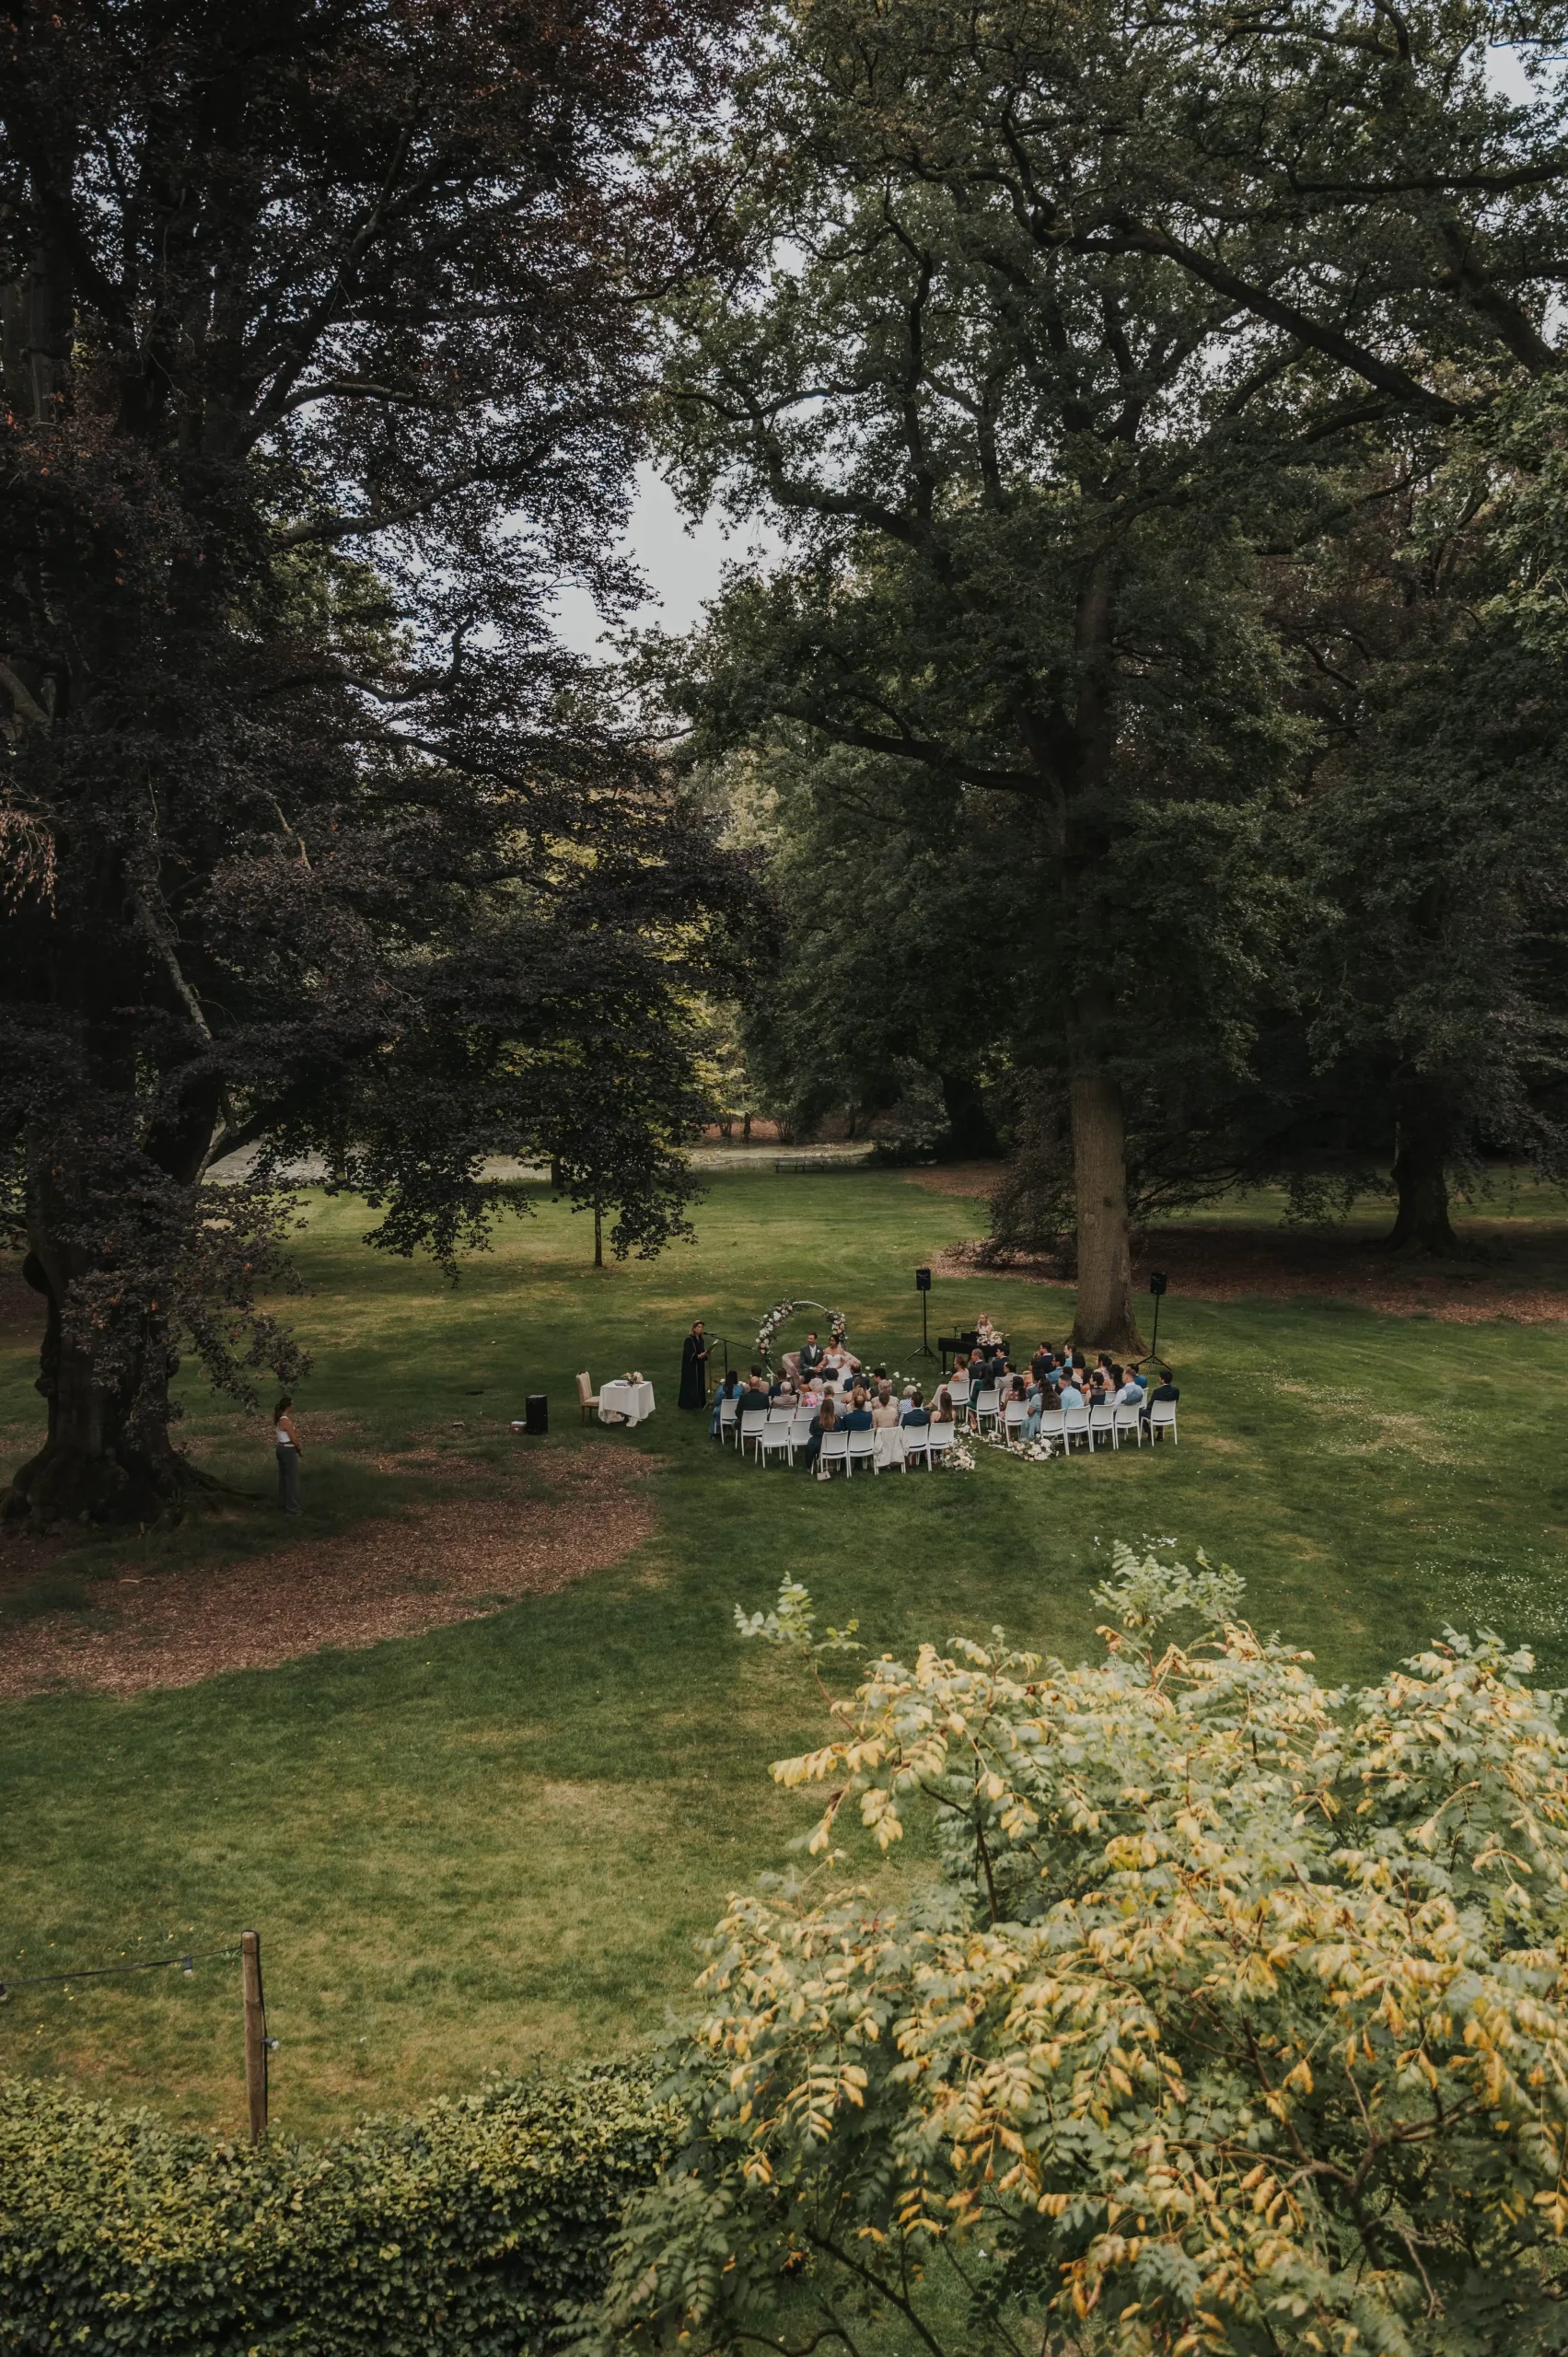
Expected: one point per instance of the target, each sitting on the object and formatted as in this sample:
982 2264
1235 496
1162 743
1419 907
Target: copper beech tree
1051 323
323 359
1236 2020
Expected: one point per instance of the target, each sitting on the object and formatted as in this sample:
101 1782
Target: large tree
1055 322
322 363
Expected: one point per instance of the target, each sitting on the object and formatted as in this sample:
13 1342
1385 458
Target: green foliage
473 2227
1237 2020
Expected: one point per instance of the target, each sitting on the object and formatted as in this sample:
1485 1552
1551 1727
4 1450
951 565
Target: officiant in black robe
694 1368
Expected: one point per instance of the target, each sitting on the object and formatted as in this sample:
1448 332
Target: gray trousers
288 1480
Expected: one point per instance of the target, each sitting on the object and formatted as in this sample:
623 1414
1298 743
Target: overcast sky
682 565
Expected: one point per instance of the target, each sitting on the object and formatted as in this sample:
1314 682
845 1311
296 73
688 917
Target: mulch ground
1520 1271
445 1560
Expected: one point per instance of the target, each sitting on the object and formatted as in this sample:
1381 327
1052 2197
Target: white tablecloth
632 1402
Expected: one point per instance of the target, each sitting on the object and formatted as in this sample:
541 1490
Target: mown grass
495 1844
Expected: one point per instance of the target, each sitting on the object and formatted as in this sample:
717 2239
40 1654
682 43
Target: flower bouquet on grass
1038 1452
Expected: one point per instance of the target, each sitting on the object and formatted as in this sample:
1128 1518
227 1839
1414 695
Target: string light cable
107 1971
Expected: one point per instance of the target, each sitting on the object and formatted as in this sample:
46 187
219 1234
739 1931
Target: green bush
475 2227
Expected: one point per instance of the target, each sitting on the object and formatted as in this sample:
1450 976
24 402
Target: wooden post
255 2032
598 1238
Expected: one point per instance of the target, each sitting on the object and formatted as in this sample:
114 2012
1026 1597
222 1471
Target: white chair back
959 1384
939 1438
835 1449
1162 1416
1076 1424
1014 1413
1051 1422
1127 1420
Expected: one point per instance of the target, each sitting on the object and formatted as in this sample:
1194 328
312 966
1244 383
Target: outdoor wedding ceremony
784 1095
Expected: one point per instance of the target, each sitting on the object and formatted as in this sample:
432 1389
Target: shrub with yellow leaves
1237 2019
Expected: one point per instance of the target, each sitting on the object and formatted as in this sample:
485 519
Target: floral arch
779 1314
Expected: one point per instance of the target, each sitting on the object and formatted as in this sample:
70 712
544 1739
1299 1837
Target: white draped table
632 1402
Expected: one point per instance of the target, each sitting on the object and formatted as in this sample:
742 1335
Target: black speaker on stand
923 1287
1157 1284
536 1413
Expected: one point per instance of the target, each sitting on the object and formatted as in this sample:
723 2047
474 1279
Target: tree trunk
1422 1139
1106 1320
107 1456
970 1131
598 1238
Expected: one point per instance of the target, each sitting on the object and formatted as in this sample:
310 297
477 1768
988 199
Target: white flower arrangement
957 1458
1037 1452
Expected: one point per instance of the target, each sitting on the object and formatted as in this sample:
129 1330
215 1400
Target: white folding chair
984 1404
586 1397
729 1410
1127 1419
834 1451
958 1389
1162 1419
752 1425
939 1439
1102 1423
800 1433
777 1434
1076 1426
917 1444
862 1451
1050 1423
1014 1416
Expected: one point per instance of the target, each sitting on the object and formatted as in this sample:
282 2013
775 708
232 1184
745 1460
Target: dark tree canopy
323 360
1056 327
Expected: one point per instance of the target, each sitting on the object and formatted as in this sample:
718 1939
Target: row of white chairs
1093 1426
782 1430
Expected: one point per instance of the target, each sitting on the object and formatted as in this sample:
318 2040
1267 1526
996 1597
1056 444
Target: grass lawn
494 1844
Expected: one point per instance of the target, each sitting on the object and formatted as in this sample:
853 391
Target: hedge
475 2227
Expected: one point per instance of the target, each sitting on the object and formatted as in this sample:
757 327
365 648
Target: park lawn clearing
494 1845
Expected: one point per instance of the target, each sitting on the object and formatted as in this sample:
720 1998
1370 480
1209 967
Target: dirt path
453 1559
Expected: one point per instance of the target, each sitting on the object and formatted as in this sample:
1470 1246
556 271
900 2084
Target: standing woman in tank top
287 1441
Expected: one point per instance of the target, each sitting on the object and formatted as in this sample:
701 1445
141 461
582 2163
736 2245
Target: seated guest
915 1411
859 1417
1163 1389
728 1389
1042 1361
754 1399
884 1410
824 1420
1130 1393
942 1409
809 1358
1070 1395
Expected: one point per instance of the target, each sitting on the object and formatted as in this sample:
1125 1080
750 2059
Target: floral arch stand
780 1314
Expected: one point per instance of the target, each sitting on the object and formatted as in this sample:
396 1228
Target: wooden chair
586 1397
